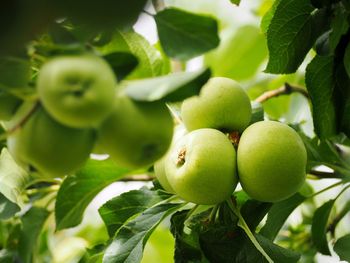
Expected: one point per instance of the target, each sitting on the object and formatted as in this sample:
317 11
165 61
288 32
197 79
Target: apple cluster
81 110
221 147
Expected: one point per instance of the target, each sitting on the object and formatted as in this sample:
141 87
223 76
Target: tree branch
138 178
285 90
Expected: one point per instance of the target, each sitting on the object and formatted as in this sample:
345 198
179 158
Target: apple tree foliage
298 60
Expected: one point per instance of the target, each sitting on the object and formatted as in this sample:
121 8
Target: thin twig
322 174
285 90
138 178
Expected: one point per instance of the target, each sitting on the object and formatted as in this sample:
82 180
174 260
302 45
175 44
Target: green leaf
339 26
77 191
257 112
122 63
266 20
33 222
93 255
240 54
290 36
13 180
185 35
129 242
319 227
254 211
278 215
235 2
169 88
342 248
150 60
14 73
118 210
319 79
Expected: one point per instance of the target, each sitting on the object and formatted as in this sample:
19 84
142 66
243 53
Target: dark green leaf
93 255
129 242
33 222
77 191
14 73
290 36
319 227
266 20
278 215
236 2
7 256
119 209
122 63
185 35
254 211
342 248
169 88
239 55
187 247
150 60
319 81
339 26
13 180
257 112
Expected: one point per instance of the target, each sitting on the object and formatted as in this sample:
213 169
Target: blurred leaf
122 63
239 55
169 88
342 248
118 210
236 2
254 211
129 241
339 26
7 256
278 215
14 73
77 191
185 35
33 222
150 60
93 255
319 82
13 180
289 39
319 227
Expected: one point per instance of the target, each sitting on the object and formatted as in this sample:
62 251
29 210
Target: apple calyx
181 158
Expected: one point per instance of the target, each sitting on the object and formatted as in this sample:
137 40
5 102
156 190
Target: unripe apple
222 104
136 134
77 90
271 160
159 169
48 146
201 167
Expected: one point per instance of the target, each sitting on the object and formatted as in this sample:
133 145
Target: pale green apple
51 148
159 169
271 160
77 90
136 134
201 167
222 104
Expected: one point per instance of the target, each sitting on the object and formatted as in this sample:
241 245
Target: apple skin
271 160
78 91
201 167
136 134
159 169
52 149
8 105
222 104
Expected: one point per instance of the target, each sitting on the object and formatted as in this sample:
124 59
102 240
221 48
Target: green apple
222 104
78 90
136 134
271 160
8 105
201 167
159 169
51 148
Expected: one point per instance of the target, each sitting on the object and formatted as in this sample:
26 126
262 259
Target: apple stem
242 224
213 213
190 213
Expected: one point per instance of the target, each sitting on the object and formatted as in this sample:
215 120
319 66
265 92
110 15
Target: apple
77 90
8 105
222 104
159 169
201 167
53 149
136 134
271 160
